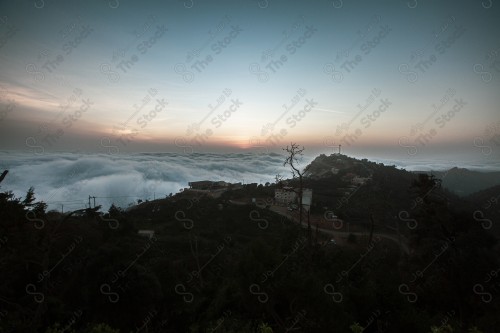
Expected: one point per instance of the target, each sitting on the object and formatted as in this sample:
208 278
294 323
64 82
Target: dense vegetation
213 266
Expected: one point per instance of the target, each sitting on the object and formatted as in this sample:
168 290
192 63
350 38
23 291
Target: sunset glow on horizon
230 76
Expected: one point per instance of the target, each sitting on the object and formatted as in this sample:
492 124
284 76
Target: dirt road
294 217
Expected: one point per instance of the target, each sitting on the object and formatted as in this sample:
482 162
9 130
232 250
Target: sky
381 78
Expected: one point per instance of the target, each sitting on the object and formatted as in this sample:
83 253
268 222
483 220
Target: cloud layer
69 178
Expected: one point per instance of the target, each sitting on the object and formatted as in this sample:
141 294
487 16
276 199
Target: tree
474 330
264 328
278 180
29 198
356 328
56 328
442 329
102 328
114 211
294 152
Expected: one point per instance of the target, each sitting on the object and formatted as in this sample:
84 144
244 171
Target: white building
360 180
146 233
287 195
284 195
307 198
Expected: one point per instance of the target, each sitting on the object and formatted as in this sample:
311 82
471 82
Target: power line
120 196
63 201
96 197
82 201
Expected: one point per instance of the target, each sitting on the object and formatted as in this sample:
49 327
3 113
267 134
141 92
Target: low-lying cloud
69 178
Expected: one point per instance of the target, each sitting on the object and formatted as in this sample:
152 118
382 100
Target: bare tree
294 152
278 180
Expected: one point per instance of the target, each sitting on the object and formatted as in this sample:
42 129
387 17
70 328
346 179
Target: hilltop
460 181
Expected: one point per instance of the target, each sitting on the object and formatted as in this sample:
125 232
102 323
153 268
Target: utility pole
316 230
372 226
398 232
399 239
308 216
335 146
94 201
89 201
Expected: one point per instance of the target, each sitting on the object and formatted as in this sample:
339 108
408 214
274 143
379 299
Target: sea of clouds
69 178
440 165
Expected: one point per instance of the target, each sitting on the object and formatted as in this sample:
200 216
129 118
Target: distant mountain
464 182
485 205
490 194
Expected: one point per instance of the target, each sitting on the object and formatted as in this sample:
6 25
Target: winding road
404 242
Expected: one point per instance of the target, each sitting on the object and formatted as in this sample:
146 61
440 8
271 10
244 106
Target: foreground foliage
213 266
